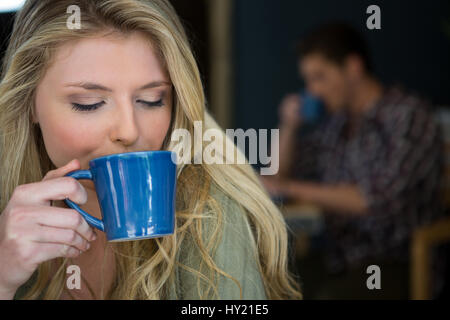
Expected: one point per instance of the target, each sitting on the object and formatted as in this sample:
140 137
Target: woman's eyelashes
86 107
90 107
158 103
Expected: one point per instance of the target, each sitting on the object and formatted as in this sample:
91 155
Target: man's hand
274 185
289 111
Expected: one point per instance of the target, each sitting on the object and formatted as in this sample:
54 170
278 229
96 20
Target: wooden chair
424 239
427 237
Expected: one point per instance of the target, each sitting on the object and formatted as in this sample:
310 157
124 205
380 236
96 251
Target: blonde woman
122 82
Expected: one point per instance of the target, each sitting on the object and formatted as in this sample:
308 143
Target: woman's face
126 85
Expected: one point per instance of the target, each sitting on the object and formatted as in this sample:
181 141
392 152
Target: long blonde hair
145 268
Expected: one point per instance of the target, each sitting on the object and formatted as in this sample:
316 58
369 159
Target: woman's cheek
68 141
157 130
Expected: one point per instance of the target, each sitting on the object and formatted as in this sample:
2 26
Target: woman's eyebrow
96 86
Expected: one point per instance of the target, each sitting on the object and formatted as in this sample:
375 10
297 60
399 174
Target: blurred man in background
373 164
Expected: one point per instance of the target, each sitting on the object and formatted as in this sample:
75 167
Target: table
305 222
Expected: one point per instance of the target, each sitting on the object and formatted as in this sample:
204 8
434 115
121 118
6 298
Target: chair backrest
442 117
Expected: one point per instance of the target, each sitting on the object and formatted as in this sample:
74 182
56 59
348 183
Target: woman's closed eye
90 107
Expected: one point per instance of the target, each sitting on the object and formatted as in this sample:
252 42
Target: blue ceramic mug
136 194
312 109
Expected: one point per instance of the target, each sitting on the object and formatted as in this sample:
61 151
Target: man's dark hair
335 41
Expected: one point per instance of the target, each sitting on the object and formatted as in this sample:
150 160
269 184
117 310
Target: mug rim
119 155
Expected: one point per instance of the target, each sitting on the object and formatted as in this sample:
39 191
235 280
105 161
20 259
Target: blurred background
246 50
243 47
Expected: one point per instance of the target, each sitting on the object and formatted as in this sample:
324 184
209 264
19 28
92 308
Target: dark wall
193 15
6 24
411 48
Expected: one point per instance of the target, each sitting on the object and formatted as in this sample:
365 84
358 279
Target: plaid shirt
396 160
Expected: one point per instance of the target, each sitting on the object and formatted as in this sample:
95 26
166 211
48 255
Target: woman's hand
32 231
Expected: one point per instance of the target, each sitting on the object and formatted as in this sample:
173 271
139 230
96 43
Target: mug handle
92 221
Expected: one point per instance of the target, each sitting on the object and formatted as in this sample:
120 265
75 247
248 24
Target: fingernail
94 236
88 246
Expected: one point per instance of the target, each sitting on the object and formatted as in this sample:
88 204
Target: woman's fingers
41 193
68 237
32 231
62 218
46 251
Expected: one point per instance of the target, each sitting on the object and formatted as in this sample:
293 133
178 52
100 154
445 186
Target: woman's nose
125 128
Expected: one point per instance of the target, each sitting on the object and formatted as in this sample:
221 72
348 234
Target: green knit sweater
234 255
